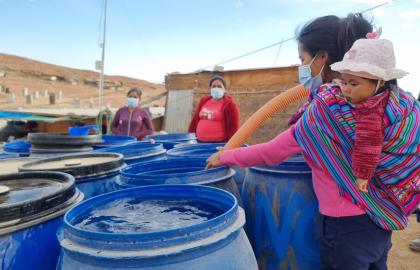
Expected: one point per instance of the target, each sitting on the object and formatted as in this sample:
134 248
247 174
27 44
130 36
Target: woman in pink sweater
131 120
356 226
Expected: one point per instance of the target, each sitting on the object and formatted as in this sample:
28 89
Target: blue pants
353 243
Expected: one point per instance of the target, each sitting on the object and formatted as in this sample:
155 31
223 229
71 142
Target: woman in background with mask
216 117
131 120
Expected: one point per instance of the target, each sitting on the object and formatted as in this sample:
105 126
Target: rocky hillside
27 83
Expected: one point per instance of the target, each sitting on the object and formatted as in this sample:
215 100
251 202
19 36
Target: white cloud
410 15
239 4
284 22
406 26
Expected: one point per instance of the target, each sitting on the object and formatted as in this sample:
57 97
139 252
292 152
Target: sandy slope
74 83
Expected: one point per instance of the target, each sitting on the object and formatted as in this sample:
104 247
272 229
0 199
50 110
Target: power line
377 6
258 50
280 42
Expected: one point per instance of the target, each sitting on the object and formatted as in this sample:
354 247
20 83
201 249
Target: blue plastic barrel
178 171
114 140
20 147
282 215
170 140
171 227
204 150
31 211
138 151
95 173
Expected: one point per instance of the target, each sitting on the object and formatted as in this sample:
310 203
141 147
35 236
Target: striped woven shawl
326 133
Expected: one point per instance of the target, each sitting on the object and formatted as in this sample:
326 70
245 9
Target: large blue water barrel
20 147
204 150
178 171
95 173
31 211
282 215
138 151
114 140
170 140
171 227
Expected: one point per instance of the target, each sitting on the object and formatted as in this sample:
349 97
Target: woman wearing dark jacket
131 120
216 117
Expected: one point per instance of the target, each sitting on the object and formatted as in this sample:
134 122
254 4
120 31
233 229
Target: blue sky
148 38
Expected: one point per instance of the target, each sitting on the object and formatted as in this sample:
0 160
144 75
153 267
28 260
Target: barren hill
72 87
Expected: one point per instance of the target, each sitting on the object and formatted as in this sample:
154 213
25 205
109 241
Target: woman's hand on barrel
214 161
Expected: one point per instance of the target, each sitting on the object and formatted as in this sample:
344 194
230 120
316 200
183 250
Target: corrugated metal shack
251 88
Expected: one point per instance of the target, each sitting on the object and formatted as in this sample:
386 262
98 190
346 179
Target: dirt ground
401 257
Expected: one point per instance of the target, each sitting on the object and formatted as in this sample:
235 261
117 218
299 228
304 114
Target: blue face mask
132 102
306 79
217 93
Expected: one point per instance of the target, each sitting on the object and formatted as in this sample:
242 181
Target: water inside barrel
136 215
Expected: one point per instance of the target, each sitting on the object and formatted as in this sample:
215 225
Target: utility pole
102 65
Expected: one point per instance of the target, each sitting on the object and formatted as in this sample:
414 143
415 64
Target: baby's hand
362 184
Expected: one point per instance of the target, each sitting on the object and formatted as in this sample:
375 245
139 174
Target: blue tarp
31 117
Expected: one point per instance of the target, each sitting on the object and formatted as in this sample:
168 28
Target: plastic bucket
114 140
82 130
205 150
22 148
138 151
178 171
95 173
169 227
30 214
282 215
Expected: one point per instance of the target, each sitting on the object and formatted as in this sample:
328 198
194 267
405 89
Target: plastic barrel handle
276 104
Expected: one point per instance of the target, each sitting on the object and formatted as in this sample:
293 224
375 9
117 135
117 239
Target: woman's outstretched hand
214 160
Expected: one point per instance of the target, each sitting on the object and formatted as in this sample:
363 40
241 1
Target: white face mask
217 93
132 102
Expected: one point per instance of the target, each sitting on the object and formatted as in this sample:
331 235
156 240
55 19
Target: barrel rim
262 169
173 137
26 210
149 149
82 171
63 138
126 176
154 239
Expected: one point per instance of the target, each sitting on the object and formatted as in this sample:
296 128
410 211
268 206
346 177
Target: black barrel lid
63 139
34 193
78 165
38 148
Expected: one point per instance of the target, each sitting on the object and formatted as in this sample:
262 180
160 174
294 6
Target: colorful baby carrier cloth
325 131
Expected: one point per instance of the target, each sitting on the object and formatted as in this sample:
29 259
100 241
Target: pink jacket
331 203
